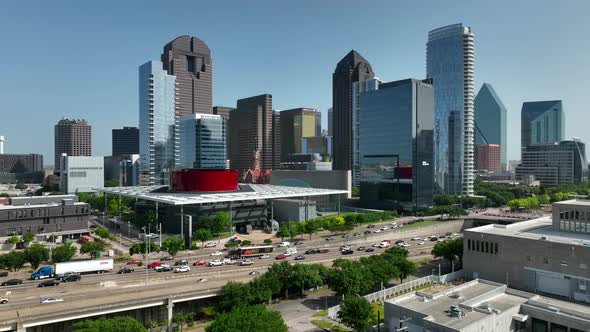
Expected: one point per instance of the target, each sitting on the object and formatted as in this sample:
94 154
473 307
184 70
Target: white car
415 238
228 261
377 231
164 267
217 253
376 245
264 256
181 269
216 262
425 239
284 244
151 235
202 280
246 262
210 245
420 243
3 300
385 228
52 300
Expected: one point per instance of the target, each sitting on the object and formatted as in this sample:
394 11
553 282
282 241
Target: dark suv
181 262
71 277
48 283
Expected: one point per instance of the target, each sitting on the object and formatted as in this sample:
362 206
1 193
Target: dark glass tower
352 68
542 122
125 141
490 120
396 145
189 59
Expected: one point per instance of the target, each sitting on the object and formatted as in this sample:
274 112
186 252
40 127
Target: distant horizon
81 61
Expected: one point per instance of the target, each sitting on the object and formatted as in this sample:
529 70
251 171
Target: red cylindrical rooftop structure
203 180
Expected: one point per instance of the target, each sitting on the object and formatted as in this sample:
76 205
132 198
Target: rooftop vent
544 238
554 309
456 295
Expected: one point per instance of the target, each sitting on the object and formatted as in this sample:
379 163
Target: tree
282 272
234 295
173 245
305 276
14 260
92 248
142 248
13 240
355 192
223 221
21 186
349 280
63 253
355 312
102 232
35 254
405 267
449 249
28 237
115 324
310 227
113 207
203 234
248 318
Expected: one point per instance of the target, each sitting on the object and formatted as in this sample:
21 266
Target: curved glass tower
450 63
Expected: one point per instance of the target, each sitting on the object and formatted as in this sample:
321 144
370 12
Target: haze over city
67 60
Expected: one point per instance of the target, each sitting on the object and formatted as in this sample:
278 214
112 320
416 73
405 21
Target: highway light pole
160 229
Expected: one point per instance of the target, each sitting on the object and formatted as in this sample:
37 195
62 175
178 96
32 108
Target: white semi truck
85 266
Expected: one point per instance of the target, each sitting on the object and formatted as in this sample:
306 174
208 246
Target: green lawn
421 224
323 324
423 261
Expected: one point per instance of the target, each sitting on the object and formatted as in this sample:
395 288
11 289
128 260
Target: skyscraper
202 141
254 134
158 128
224 112
352 68
396 128
542 122
357 89
330 126
490 121
72 137
189 59
450 63
125 141
296 124
489 157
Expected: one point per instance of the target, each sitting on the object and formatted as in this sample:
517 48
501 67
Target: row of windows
482 246
43 212
574 226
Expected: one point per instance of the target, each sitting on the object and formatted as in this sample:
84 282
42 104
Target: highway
134 284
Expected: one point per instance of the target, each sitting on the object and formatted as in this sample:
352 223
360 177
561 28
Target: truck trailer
85 266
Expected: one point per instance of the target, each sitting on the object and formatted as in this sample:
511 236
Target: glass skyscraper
490 121
357 89
450 63
157 123
542 122
396 145
202 141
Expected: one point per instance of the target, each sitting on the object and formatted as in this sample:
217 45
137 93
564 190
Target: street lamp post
160 229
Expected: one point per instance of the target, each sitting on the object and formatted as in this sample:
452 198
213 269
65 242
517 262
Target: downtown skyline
247 66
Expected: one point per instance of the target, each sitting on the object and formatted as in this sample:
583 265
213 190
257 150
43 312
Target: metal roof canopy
258 191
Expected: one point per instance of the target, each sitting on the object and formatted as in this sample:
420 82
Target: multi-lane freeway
205 277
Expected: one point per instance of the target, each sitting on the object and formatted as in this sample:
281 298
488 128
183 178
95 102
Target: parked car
126 270
264 256
282 256
11 282
154 265
246 262
71 277
3 300
163 268
216 262
181 262
371 226
182 269
3 274
210 245
298 243
347 252
48 283
134 262
361 248
52 300
299 258
200 263
217 253
370 250
168 258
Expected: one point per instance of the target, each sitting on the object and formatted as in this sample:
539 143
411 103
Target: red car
283 256
200 263
152 265
133 262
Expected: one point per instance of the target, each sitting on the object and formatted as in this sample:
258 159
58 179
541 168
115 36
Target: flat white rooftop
25 206
583 202
247 192
536 229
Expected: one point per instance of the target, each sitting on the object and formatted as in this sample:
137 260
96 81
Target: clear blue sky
79 59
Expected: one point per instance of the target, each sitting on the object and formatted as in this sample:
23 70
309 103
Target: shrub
267 241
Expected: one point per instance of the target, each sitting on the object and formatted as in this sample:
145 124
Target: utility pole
160 228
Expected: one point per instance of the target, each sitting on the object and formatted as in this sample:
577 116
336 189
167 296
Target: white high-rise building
158 126
450 63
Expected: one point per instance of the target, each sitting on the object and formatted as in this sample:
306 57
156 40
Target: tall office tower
202 141
254 134
352 68
450 63
189 59
276 139
125 141
72 137
224 112
296 124
396 128
489 157
158 128
318 123
490 121
357 89
330 126
541 122
554 164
